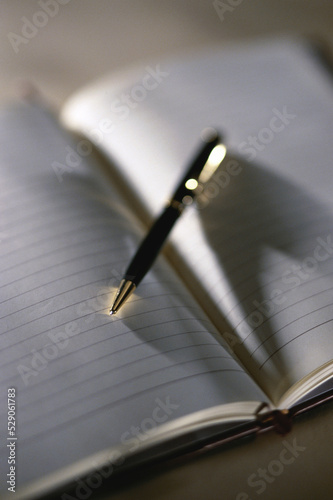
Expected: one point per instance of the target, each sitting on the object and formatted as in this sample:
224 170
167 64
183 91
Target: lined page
258 250
84 380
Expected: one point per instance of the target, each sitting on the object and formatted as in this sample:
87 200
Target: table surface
83 40
79 41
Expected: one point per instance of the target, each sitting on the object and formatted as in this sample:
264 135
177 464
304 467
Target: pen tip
125 289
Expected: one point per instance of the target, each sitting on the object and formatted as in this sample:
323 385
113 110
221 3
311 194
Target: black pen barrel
151 245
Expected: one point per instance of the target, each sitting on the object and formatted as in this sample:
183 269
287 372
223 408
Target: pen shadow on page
170 322
252 223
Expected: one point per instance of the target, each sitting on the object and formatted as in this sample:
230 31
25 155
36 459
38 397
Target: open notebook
239 314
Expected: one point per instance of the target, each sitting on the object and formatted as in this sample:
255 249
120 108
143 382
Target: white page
84 380
266 217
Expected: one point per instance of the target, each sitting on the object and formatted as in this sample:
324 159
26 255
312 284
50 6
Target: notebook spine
279 420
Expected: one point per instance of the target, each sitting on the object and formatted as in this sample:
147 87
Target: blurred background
61 45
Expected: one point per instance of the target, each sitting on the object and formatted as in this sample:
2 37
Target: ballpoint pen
200 171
